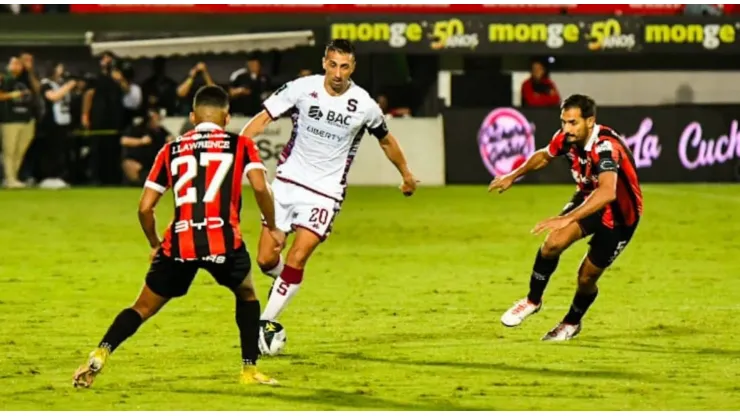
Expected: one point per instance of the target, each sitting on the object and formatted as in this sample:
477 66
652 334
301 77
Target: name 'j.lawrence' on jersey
326 132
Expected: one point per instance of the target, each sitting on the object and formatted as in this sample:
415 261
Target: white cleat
519 312
563 332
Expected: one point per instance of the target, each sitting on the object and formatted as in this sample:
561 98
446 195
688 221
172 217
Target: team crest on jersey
314 95
352 105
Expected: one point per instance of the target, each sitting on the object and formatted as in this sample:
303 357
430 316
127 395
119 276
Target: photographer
103 116
140 146
55 128
17 122
198 77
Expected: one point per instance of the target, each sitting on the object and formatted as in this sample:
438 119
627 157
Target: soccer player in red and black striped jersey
607 205
204 168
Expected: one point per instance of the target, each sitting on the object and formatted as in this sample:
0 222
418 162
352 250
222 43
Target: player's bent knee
298 257
245 291
587 281
148 303
552 247
268 261
145 310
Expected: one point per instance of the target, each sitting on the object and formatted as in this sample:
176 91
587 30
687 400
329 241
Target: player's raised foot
250 375
85 375
519 312
563 332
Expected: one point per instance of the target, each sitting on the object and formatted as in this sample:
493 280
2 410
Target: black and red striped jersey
204 168
605 151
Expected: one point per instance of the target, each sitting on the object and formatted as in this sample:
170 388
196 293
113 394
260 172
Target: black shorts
607 243
170 278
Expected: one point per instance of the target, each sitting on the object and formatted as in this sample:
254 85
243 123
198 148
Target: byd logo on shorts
210 223
505 140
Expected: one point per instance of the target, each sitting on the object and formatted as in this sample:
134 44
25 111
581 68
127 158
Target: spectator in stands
79 149
160 91
249 87
30 78
198 77
133 99
140 146
389 112
54 128
103 116
17 124
539 90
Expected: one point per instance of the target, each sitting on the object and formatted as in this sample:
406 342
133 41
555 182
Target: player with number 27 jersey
204 169
205 165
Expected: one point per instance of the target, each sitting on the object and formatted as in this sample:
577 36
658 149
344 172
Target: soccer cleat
563 332
85 375
250 375
519 312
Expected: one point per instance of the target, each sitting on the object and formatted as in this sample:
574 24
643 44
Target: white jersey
326 132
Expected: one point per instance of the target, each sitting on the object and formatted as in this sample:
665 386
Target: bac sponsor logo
315 112
338 118
505 140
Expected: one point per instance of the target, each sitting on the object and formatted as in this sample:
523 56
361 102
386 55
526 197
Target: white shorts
299 207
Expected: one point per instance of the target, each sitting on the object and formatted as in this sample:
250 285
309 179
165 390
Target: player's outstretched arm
604 194
536 161
147 203
265 201
394 153
257 124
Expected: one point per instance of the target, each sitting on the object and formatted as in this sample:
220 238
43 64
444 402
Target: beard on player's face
578 134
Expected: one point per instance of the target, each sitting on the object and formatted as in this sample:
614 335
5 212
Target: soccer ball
272 338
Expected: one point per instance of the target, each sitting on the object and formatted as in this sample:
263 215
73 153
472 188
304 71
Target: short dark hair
211 96
342 46
586 104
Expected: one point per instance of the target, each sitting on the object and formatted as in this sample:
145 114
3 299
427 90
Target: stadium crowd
104 127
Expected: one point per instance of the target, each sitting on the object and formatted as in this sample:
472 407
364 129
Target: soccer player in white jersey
330 115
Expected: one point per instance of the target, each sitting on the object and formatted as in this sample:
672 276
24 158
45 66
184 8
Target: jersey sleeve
252 159
557 145
159 176
376 122
283 99
605 156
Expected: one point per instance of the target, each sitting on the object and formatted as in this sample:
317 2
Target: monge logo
505 139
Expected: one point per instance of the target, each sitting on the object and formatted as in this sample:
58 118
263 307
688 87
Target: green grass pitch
399 310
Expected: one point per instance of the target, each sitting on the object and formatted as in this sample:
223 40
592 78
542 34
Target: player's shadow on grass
539 371
654 349
324 398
